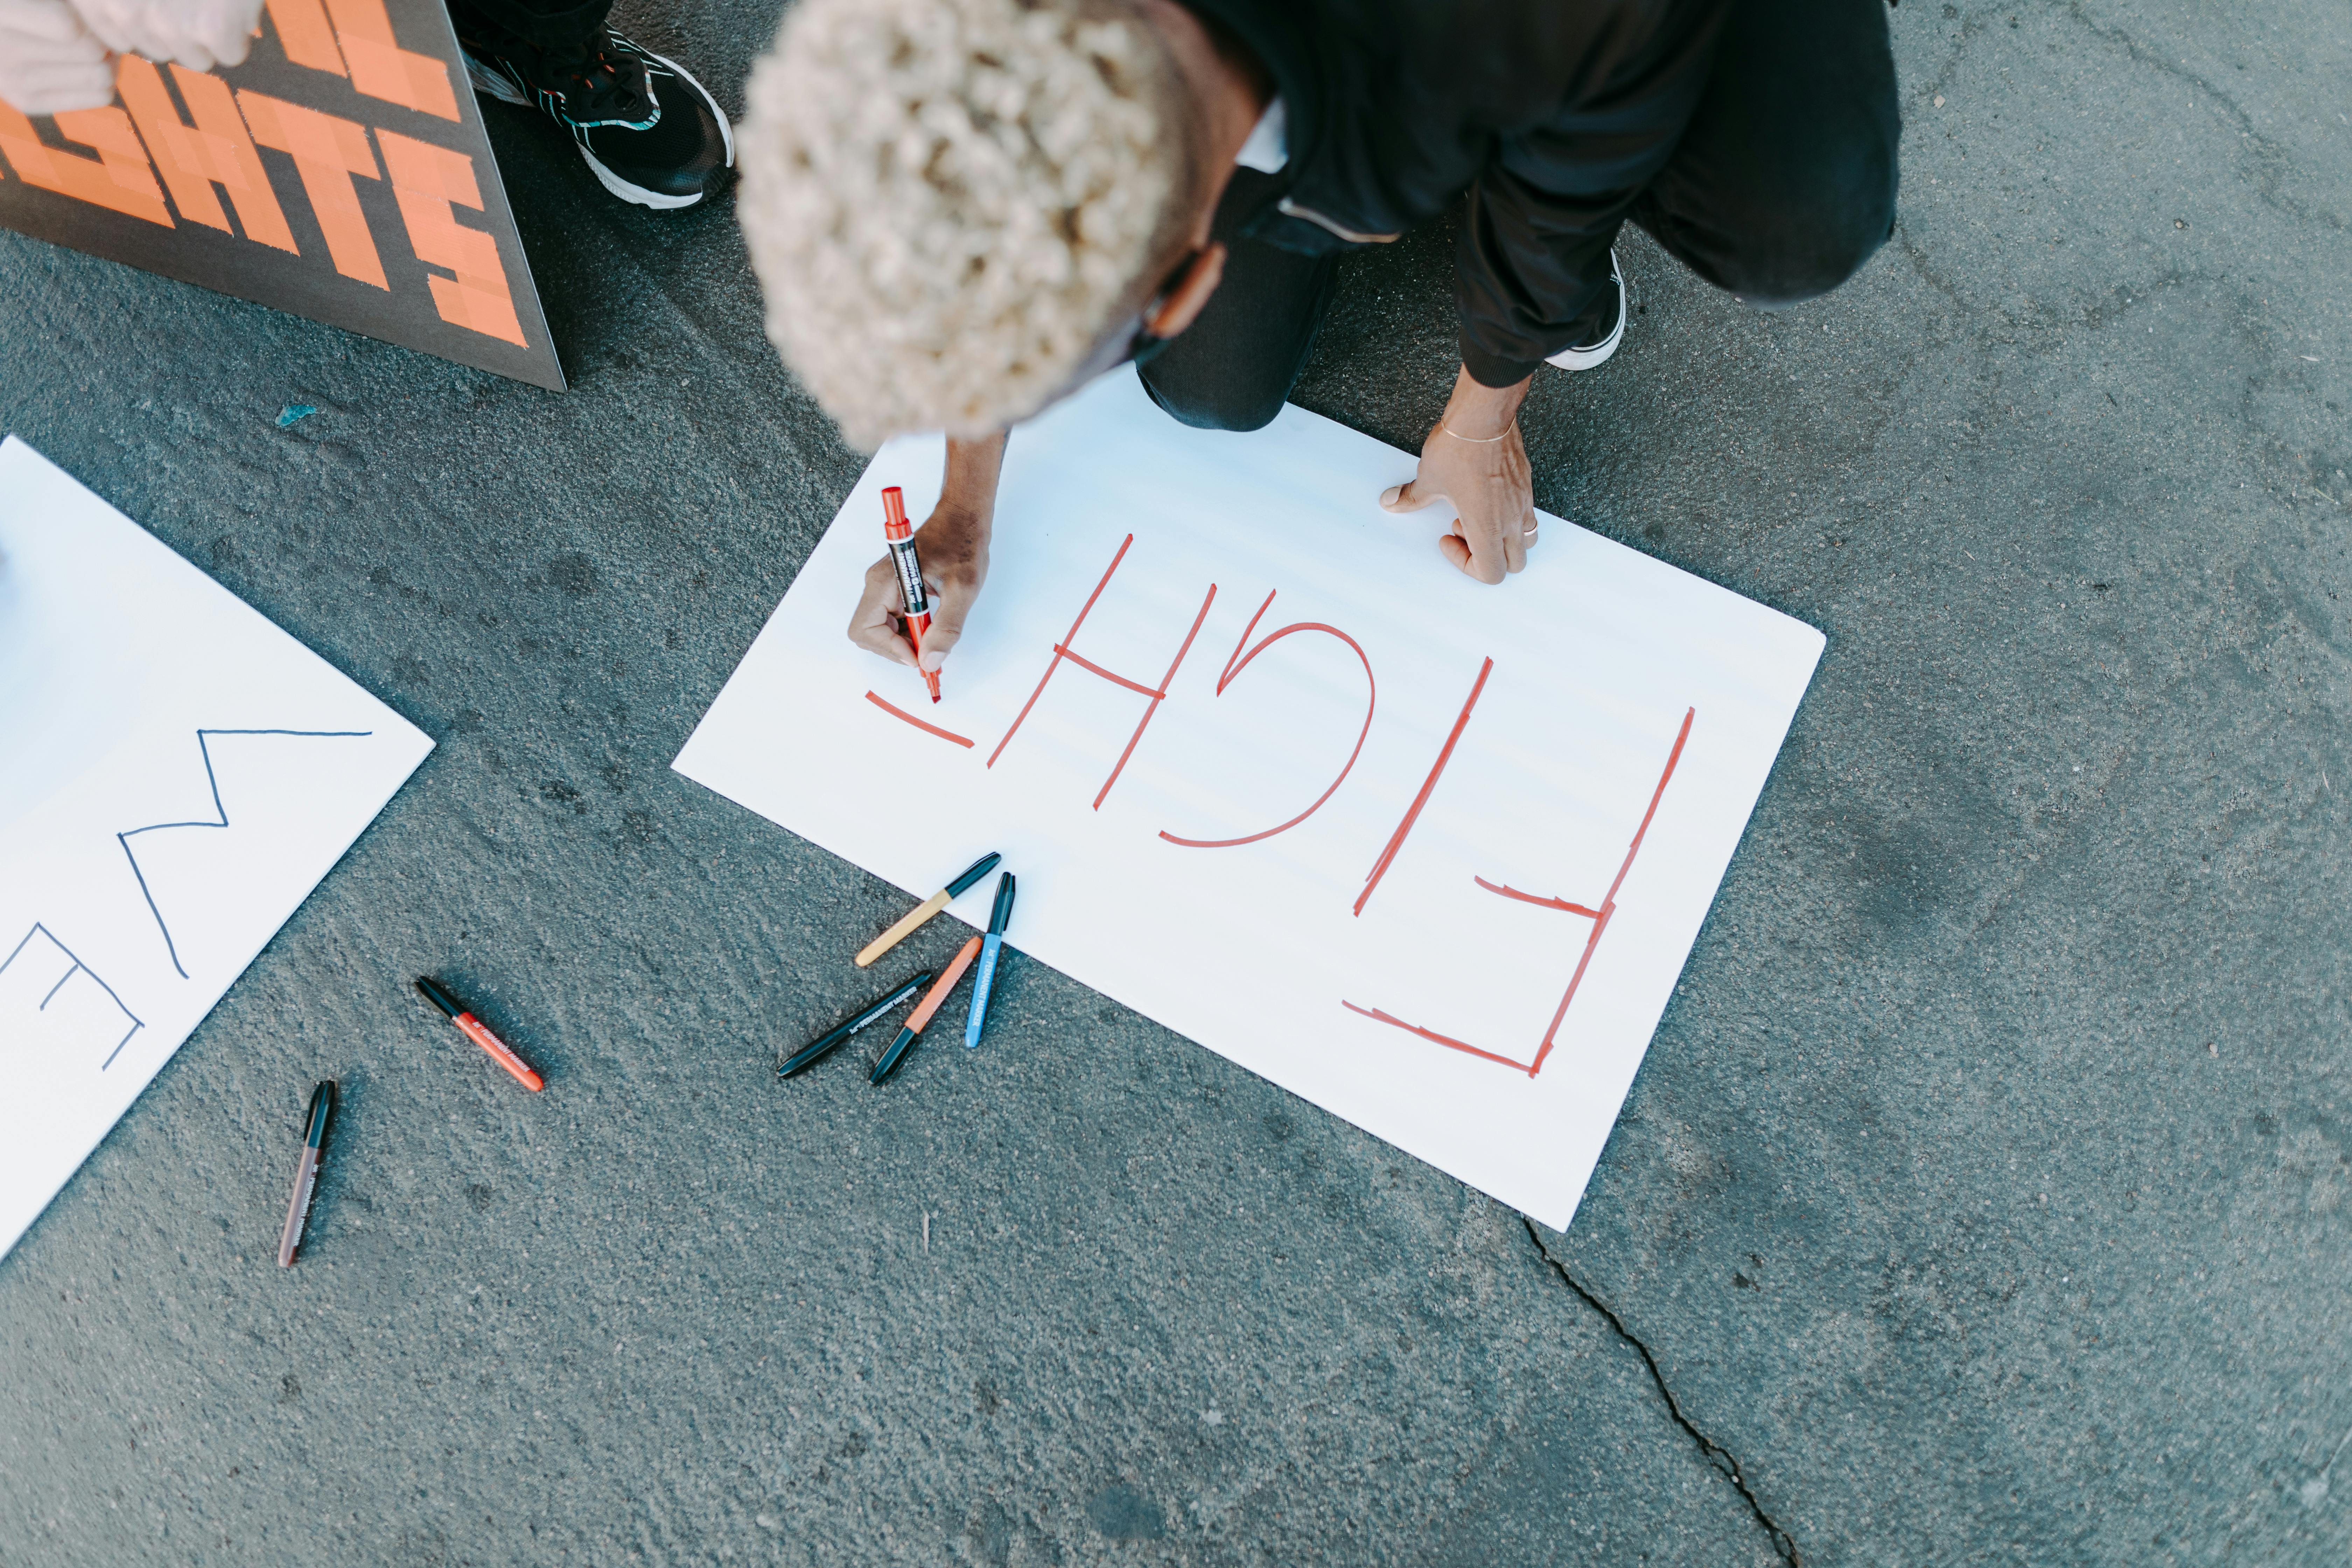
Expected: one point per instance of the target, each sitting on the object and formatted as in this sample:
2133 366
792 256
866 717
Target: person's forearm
969 485
1478 412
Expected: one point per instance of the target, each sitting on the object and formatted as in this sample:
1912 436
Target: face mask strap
1143 345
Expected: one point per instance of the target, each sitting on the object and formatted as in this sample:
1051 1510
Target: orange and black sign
341 173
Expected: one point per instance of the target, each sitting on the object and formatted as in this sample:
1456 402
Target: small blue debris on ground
293 413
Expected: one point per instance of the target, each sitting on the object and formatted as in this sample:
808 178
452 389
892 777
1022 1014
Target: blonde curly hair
949 201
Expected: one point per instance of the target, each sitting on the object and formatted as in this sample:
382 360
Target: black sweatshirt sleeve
1602 113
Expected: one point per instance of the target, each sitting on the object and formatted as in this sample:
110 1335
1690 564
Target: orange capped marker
480 1033
923 1010
900 537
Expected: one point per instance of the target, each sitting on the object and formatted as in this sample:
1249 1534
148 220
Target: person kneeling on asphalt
962 210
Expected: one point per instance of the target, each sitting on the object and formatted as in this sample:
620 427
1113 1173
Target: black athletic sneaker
648 131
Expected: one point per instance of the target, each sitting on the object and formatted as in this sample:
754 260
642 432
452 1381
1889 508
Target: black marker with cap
306 1174
816 1050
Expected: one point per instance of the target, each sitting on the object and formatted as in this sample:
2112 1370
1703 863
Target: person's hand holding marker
954 546
1474 458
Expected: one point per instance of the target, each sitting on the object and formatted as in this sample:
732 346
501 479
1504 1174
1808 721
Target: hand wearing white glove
50 62
197 34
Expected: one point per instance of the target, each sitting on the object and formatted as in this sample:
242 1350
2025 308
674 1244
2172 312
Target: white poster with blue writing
177 774
1427 853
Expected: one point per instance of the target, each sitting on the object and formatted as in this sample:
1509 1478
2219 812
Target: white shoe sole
1592 354
636 195
505 91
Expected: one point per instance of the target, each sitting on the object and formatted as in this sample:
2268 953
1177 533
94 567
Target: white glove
49 61
197 34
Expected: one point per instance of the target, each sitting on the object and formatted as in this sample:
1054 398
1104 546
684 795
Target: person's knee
1824 231
1832 252
1206 405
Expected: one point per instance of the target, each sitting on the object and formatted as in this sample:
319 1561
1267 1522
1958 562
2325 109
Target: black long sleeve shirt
1552 114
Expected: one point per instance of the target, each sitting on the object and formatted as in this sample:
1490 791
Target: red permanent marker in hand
479 1032
901 539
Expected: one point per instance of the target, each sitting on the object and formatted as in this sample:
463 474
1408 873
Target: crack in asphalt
2273 157
1717 1454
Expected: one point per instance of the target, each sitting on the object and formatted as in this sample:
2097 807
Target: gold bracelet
1474 440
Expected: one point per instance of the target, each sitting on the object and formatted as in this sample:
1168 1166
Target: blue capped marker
990 949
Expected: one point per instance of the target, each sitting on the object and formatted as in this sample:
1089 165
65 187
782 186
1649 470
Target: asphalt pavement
1986 1198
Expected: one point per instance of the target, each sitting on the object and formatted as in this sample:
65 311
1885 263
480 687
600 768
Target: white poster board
1416 954
177 774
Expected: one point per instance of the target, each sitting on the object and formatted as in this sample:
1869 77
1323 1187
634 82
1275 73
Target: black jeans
548 24
1782 185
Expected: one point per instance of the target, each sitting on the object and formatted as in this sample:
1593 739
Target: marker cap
973 873
322 1106
438 997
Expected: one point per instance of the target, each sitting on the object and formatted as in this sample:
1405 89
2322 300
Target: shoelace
598 85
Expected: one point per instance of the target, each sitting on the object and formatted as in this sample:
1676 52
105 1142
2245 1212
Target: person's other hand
50 62
197 34
1474 458
952 545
